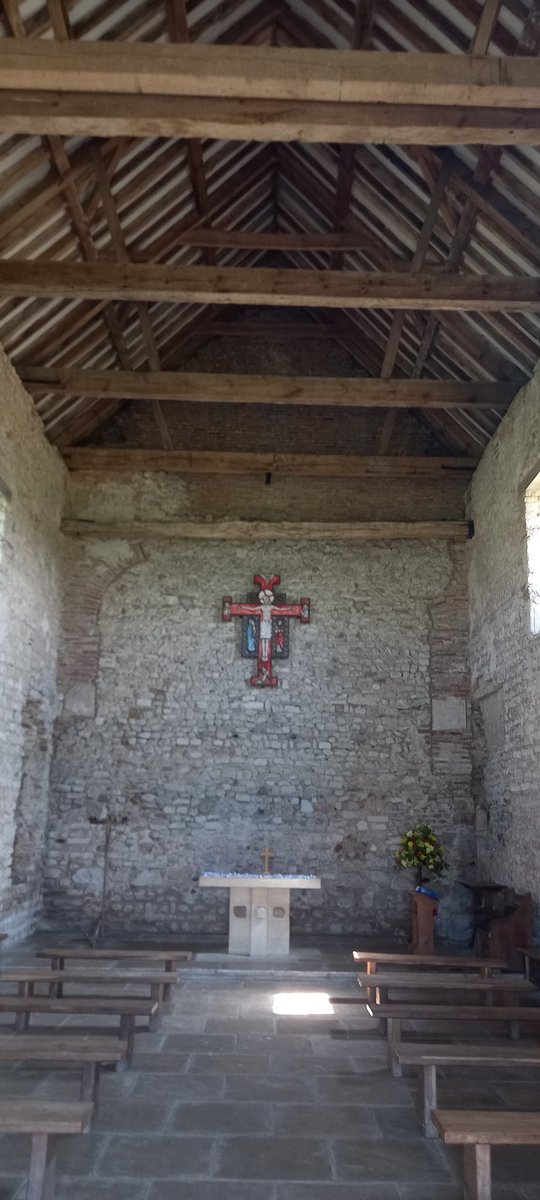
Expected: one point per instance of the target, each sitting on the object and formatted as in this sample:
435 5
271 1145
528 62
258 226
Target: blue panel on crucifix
251 626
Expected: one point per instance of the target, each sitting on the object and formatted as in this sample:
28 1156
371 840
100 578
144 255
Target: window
532 515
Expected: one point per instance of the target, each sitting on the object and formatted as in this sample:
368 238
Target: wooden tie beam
249 285
104 89
321 466
199 387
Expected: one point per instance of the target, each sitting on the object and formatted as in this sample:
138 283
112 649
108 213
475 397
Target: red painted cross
266 609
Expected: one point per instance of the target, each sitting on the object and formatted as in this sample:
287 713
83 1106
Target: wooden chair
428 1058
477 1132
124 1007
396 1013
43 1120
90 1053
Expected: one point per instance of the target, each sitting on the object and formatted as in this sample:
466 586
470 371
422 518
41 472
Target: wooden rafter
268 389
245 285
117 238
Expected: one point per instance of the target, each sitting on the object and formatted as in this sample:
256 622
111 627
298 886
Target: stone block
449 713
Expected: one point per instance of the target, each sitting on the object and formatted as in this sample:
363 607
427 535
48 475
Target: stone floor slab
281 1158
362 1089
228 1064
390 1161
268 1088
218 1189
325 1120
225 1117
338 1191
156 1157
180 1087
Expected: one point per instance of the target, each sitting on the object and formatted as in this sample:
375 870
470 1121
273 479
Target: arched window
532 514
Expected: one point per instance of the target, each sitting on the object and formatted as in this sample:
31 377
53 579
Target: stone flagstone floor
230 1101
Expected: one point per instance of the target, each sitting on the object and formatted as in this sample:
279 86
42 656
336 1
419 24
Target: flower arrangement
420 850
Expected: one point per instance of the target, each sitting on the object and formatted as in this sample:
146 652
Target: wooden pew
127 1008
531 954
42 1119
90 1053
477 1132
154 981
170 958
442 962
510 986
396 1013
428 1057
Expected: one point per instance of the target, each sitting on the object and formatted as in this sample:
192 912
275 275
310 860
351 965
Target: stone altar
259 910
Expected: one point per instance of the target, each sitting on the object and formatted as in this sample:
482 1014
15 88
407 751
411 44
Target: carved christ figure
266 609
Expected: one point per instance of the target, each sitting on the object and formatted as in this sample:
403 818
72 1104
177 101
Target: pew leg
371 969
394 1038
37 1175
90 1087
21 1018
429 1100
127 1034
477 1172
156 993
50 1177
167 990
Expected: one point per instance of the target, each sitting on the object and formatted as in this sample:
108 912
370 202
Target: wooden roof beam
275 531
260 72
253 286
325 466
105 115
201 387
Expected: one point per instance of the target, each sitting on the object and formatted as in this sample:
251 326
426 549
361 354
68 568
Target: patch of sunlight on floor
302 1004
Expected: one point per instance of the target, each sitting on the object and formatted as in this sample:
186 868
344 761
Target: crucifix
265 632
266 856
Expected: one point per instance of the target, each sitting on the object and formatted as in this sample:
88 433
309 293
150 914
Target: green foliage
420 850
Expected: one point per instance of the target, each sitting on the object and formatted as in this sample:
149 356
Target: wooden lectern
424 909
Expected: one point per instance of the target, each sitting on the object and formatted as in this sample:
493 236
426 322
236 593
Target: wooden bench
427 1058
396 1013
443 962
155 981
170 958
124 1007
90 1053
42 1119
511 986
531 954
477 1132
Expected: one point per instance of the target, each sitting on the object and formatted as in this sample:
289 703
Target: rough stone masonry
368 731
31 497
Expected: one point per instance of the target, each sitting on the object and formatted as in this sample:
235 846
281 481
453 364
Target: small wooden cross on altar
267 626
266 856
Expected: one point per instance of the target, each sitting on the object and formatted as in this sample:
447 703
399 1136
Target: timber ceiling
471 210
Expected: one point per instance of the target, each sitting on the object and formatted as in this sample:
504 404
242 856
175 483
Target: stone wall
505 655
368 731
31 494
